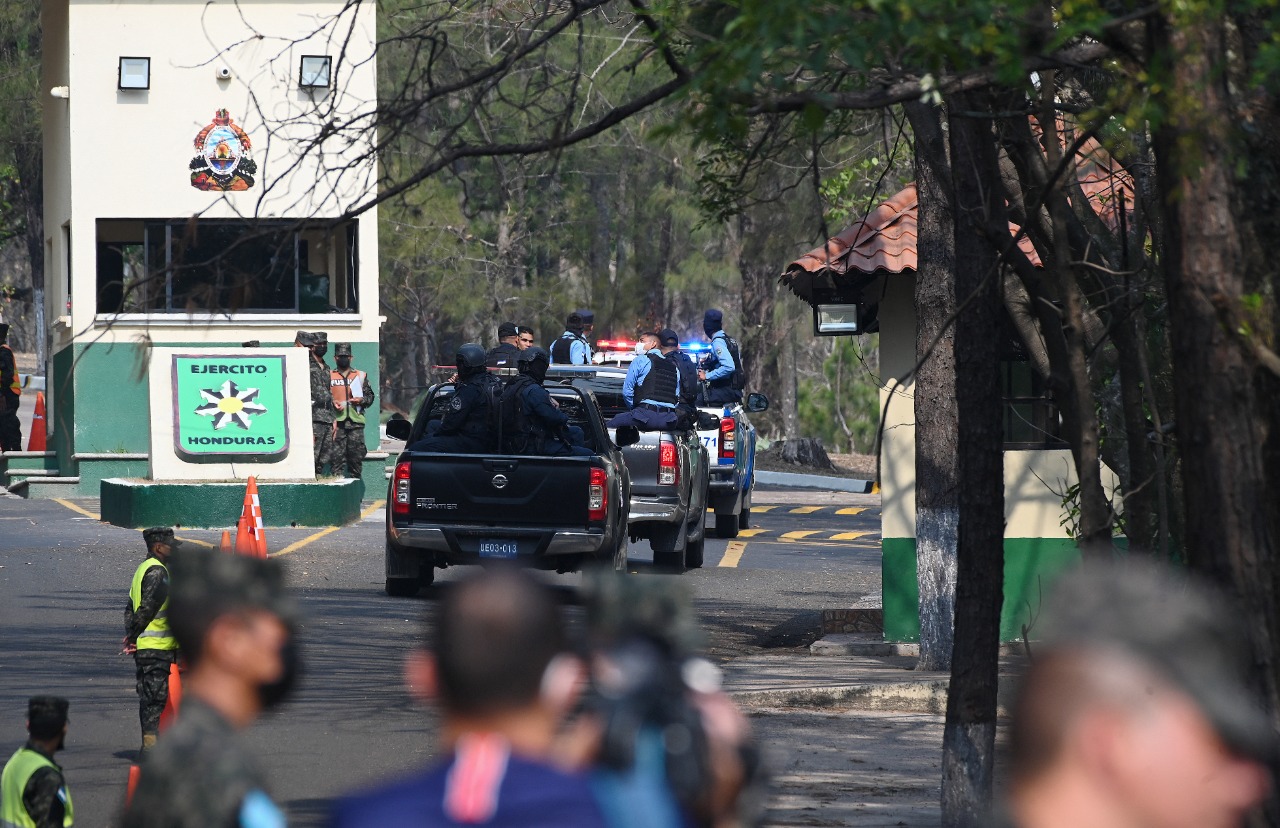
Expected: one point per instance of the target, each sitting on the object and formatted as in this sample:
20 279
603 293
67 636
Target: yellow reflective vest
156 636
23 765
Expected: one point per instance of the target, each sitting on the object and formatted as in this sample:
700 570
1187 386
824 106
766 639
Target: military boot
148 742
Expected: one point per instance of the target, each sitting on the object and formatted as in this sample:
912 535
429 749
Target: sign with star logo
230 406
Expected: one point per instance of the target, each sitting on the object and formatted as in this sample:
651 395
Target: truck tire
726 525
744 518
400 567
693 553
402 587
620 553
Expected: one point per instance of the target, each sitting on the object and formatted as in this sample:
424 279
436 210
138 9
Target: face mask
291 667
321 350
344 361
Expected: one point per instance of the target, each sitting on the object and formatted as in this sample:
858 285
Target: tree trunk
937 429
968 741
759 291
1230 534
30 161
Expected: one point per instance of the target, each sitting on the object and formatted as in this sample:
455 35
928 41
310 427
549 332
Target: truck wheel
693 553
402 587
670 559
426 575
620 554
744 519
726 525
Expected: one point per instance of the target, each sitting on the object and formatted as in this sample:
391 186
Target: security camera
224 72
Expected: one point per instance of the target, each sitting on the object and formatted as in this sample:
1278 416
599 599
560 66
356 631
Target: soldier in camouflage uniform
236 626
324 426
32 788
352 396
146 631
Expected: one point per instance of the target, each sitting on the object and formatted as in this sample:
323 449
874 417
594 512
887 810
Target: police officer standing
33 792
10 393
466 424
146 631
352 396
688 370
719 366
503 355
324 425
531 422
573 347
237 628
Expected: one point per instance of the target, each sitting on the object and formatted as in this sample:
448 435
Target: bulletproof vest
477 422
502 356
688 376
661 383
520 434
561 348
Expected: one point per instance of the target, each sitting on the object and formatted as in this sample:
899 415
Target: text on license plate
499 549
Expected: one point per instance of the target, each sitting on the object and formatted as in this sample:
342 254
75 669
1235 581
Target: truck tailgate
499 491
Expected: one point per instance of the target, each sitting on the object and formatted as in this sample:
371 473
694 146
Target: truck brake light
668 470
597 496
400 490
728 434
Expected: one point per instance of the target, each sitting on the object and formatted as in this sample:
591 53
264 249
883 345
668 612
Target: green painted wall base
1030 565
136 504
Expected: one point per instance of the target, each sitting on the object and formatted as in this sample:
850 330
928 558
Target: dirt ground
859 466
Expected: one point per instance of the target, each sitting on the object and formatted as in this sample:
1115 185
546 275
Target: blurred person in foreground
235 624
1137 709
499 670
33 792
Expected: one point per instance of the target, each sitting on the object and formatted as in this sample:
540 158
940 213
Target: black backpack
493 411
513 425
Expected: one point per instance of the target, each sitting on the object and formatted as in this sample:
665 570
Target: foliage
842 407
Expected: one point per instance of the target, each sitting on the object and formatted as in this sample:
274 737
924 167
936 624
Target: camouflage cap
207 584
1181 628
320 337
46 716
342 349
305 339
158 534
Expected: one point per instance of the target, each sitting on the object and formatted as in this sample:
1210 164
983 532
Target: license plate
499 549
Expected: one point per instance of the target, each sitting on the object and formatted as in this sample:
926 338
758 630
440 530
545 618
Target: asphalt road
64 577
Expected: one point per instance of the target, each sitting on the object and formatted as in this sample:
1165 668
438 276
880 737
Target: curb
926 696
813 481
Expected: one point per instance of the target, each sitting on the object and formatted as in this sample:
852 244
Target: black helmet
533 361
470 359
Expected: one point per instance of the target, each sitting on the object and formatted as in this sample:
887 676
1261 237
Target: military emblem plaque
230 407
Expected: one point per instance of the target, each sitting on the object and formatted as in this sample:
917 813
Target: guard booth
187 213
863 280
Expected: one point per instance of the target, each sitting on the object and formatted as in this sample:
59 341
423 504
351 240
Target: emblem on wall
222 159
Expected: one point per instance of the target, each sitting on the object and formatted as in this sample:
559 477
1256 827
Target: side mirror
398 428
626 436
757 402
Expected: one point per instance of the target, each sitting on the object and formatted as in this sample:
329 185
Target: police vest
15 387
23 765
520 433
661 384
340 388
156 636
562 348
688 376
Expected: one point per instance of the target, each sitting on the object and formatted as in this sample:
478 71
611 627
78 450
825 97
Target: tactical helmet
470 359
533 361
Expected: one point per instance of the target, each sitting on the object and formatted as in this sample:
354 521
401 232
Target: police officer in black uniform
503 355
465 428
531 422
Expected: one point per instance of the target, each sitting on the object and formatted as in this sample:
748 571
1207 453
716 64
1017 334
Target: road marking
848 536
296 545
851 510
732 553
755 509
805 510
193 540
73 507
799 535
751 533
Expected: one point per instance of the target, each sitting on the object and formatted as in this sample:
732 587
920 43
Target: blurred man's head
498 655
160 542
47 720
1138 706
668 340
234 623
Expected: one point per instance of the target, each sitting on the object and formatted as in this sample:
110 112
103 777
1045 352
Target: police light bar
615 345
694 346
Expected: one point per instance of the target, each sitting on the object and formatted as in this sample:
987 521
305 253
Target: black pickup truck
550 512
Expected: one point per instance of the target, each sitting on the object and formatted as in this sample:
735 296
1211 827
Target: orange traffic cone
36 441
135 773
255 506
225 546
244 540
174 700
